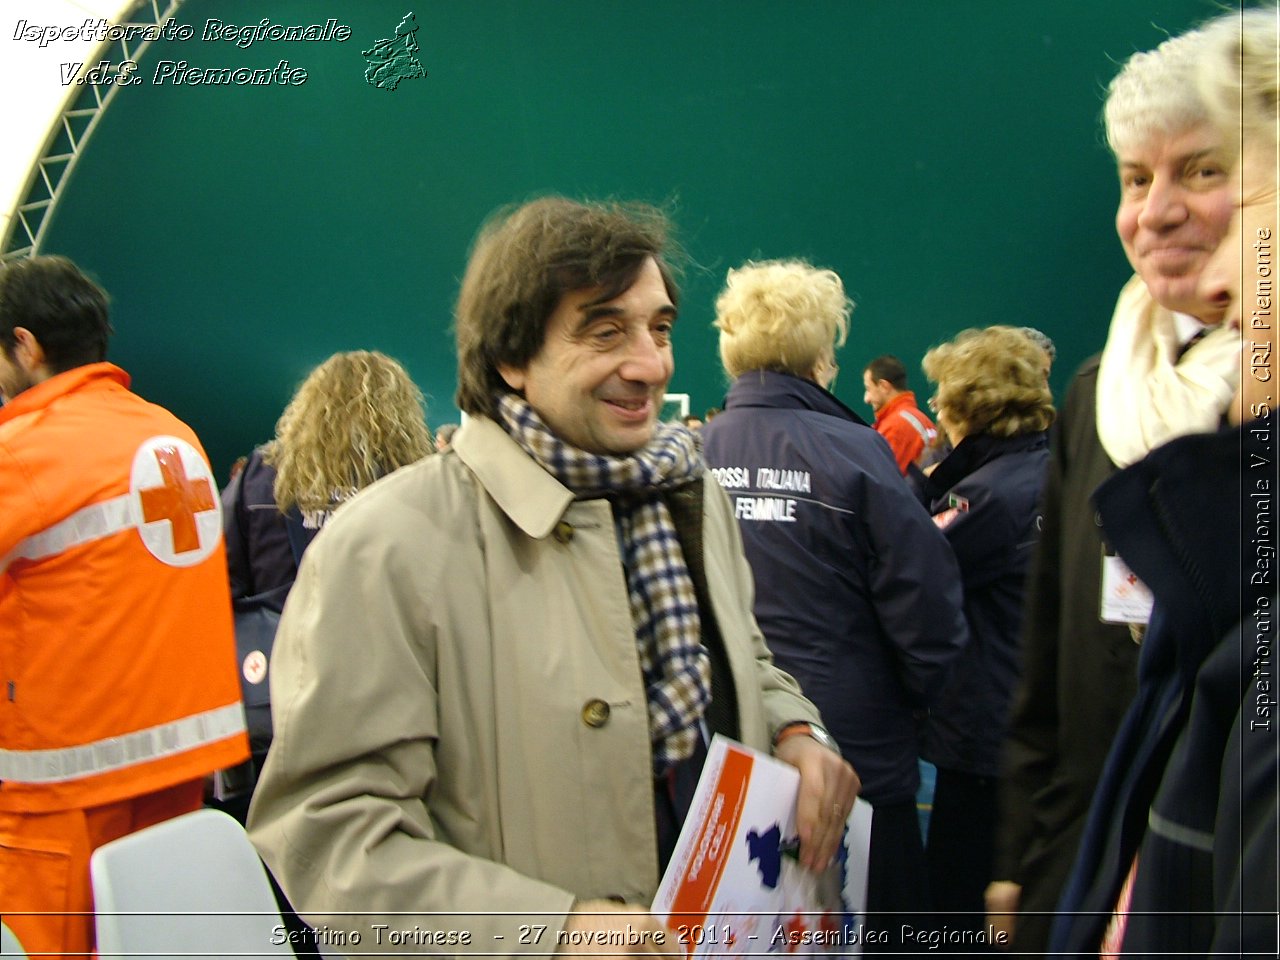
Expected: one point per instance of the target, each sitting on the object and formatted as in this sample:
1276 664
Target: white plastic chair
190 885
9 945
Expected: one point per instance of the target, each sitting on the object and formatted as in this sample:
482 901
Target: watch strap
806 729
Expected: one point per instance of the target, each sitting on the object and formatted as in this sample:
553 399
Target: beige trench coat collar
533 499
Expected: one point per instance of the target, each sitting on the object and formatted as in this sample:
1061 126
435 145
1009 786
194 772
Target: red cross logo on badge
180 516
255 667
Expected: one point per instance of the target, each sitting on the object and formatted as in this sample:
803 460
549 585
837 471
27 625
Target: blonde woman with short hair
856 591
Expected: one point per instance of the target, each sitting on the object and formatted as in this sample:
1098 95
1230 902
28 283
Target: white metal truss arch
73 127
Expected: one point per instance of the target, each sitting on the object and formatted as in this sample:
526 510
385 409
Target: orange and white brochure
735 887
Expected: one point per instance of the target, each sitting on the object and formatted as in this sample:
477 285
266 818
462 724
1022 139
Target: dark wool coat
1189 786
986 498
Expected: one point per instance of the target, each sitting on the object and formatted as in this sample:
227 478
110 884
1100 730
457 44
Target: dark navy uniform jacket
857 592
261 548
1189 787
985 496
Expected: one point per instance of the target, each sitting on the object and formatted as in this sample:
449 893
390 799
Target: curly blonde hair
991 380
781 315
355 418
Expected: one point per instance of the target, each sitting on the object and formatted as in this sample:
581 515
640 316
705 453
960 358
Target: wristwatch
804 728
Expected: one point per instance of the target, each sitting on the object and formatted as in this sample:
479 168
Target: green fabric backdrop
944 156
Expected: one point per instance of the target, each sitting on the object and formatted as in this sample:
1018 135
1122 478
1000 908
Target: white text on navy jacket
757 507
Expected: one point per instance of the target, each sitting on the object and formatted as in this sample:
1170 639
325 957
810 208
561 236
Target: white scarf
1146 395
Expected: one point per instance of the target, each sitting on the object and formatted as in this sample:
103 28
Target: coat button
563 531
595 713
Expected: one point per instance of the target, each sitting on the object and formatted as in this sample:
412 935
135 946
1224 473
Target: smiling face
1175 204
598 379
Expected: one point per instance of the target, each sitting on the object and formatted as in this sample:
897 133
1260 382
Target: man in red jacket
898 420
118 689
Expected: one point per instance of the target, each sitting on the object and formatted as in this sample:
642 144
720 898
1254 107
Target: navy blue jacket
261 541
1189 786
986 498
857 592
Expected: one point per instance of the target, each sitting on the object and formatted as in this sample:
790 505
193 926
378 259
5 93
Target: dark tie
1199 335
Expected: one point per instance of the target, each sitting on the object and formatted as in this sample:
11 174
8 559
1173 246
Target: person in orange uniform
908 431
118 690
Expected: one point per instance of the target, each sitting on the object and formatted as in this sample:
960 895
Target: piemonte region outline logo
395 59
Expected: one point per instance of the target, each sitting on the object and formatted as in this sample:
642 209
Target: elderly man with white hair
1178 855
1169 368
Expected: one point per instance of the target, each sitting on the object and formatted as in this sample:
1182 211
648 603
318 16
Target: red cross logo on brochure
180 516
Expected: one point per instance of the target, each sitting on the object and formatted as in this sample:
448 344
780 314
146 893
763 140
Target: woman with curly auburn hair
356 418
857 594
994 404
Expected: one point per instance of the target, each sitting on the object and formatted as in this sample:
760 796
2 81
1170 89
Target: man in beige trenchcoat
499 669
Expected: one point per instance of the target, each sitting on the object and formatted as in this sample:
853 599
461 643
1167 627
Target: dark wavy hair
524 259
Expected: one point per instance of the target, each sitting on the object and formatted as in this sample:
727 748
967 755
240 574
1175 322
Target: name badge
1125 598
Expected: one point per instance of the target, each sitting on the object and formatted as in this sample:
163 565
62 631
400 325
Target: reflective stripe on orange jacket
117 652
907 429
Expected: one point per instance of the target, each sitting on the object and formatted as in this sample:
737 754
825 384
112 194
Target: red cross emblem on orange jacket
178 500
179 515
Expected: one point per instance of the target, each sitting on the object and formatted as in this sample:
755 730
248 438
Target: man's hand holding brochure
739 882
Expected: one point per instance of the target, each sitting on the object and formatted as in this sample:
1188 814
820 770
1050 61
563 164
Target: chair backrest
193 884
9 945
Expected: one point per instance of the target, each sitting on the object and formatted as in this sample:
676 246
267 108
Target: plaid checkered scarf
664 606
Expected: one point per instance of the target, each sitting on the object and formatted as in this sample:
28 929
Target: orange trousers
45 895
